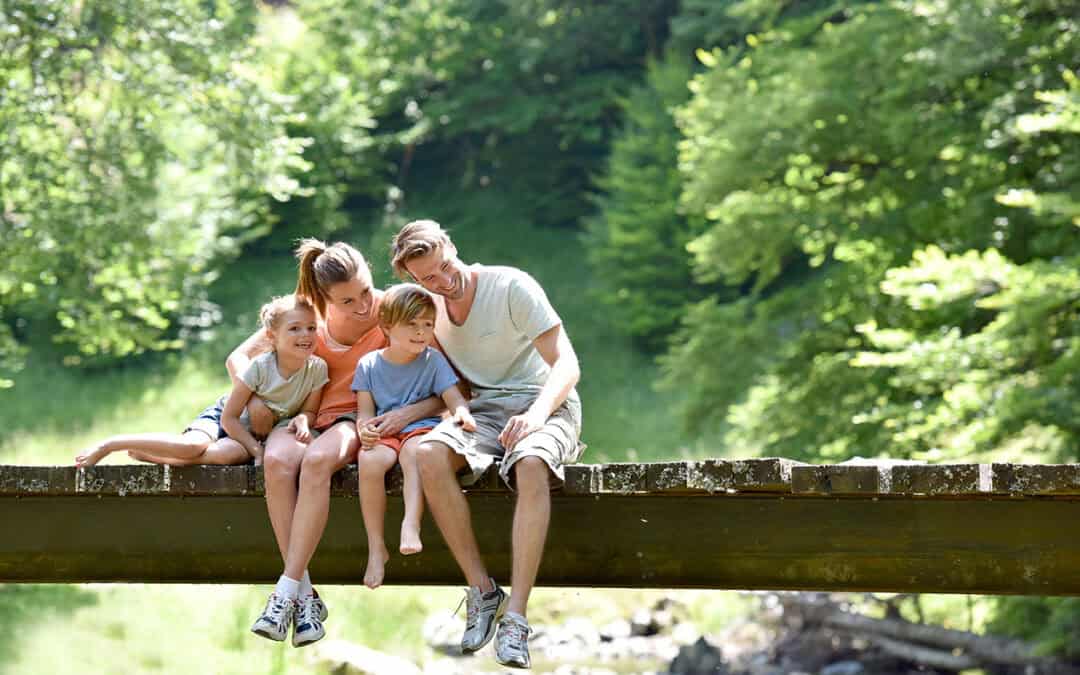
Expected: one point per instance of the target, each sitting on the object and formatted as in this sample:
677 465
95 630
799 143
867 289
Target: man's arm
555 348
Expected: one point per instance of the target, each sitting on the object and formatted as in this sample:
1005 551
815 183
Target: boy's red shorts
397 440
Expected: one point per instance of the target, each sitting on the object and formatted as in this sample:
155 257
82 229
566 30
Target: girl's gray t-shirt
395 385
284 396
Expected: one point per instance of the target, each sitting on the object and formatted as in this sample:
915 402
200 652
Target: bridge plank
1037 479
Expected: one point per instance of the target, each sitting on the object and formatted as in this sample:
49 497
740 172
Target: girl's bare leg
372 466
189 444
413 494
326 454
224 451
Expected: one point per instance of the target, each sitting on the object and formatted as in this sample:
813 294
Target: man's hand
389 423
369 436
261 417
299 426
519 427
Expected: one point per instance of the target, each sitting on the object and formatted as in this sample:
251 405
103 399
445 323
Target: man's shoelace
513 634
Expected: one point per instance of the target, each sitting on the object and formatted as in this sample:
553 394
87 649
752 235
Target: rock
844 668
616 630
641 624
685 634
442 632
700 657
345 658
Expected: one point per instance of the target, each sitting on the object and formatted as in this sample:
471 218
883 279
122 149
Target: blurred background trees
840 228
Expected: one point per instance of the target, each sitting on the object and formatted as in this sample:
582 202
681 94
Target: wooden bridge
751 524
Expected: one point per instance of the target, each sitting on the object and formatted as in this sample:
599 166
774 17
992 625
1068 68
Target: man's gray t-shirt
395 385
494 348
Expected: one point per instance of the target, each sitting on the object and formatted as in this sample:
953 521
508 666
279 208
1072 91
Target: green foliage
795 157
138 154
519 96
637 241
1052 623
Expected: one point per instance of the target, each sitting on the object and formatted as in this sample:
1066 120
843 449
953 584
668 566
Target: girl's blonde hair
270 314
405 302
322 266
416 239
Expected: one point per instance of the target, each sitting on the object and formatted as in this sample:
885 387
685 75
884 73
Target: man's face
440 272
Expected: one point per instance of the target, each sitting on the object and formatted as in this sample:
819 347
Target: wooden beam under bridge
752 524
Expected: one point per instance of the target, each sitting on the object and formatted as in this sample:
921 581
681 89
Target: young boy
406 371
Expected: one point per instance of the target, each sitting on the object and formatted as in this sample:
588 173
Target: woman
337 281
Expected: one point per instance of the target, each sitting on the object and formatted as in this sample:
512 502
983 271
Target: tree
139 150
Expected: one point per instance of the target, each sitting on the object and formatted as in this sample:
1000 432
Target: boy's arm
365 413
458 407
230 419
260 416
555 348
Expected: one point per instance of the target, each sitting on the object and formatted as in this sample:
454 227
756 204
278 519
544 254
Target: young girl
406 371
289 380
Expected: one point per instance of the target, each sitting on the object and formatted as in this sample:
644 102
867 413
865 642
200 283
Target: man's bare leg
532 514
438 466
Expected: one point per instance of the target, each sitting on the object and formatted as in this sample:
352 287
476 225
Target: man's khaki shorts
556 442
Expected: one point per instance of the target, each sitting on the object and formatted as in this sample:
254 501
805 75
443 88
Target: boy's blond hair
416 239
270 314
405 302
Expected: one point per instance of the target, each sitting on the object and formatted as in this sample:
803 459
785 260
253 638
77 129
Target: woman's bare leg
372 467
281 466
326 454
175 446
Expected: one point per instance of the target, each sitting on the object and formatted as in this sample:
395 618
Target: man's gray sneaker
482 612
512 641
276 618
307 624
320 606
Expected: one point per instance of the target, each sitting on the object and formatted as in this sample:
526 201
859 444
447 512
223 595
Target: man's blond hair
416 239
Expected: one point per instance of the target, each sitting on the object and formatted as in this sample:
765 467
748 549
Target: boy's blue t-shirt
395 385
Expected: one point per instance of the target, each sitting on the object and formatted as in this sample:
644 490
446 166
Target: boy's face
413 335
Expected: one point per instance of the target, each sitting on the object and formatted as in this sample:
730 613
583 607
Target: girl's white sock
305 586
287 588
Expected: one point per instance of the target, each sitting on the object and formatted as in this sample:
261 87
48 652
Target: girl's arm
458 407
301 424
365 413
230 420
261 417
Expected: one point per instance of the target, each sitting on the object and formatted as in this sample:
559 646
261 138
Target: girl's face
354 299
412 336
294 333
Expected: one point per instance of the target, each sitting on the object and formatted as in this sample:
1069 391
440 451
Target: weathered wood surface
747 524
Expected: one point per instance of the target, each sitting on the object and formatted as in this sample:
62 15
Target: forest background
803 228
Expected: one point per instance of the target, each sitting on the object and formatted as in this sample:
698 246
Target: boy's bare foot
376 568
410 540
91 456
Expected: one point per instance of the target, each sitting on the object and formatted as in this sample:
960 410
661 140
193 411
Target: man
499 330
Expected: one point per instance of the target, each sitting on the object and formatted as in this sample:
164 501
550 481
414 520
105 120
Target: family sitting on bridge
343 372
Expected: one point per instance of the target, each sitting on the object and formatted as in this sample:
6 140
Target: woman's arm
230 420
365 413
390 423
261 417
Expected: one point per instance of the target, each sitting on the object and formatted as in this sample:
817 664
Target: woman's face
354 299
